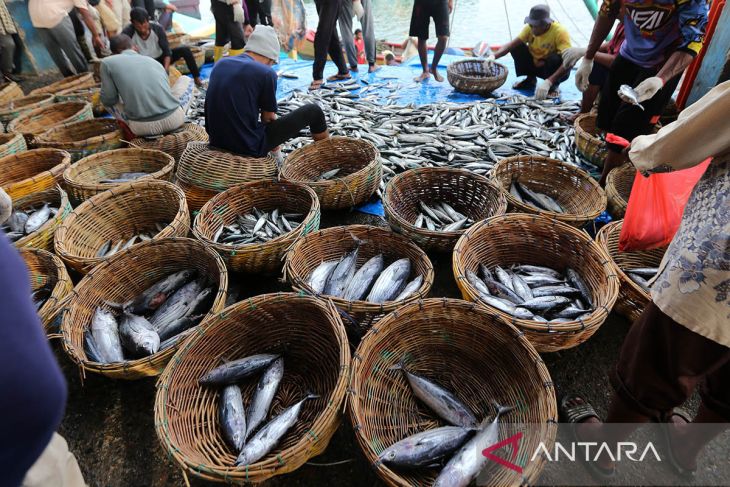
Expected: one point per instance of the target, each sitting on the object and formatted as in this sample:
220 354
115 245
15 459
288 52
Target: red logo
514 441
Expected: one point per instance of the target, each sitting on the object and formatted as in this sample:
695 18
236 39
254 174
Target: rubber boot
217 53
235 52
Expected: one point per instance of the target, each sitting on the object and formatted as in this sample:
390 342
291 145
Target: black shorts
623 119
423 11
599 75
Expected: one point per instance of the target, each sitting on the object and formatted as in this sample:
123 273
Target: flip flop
339 77
679 470
316 84
577 414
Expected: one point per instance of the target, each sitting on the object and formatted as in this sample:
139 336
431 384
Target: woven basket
632 299
81 139
35 122
17 107
198 55
12 144
119 213
216 171
43 237
76 82
587 141
582 199
470 76
618 189
333 243
472 353
265 196
177 39
46 269
173 75
474 196
173 143
196 197
90 95
32 171
308 333
359 163
125 276
538 240
82 178
10 91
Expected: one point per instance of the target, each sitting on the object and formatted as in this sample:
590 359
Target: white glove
648 88
542 90
238 15
584 71
358 9
572 55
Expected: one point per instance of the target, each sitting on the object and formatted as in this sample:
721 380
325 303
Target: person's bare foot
436 75
373 68
423 77
198 82
681 456
353 69
576 410
316 84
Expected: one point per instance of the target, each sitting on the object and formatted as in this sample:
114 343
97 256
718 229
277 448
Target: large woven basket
35 122
12 144
82 178
91 94
32 171
17 107
125 276
47 270
333 243
10 91
195 196
198 55
177 39
537 240
580 196
587 140
43 237
119 213
359 163
173 143
77 82
618 189
471 76
224 208
471 352
81 139
308 333
472 195
632 299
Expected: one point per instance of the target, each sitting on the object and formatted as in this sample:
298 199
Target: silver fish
555 291
138 336
643 283
410 288
645 272
232 372
176 306
531 269
37 219
155 295
521 288
629 95
342 273
264 394
390 282
194 312
17 221
105 331
363 278
544 303
578 283
499 290
232 417
320 275
92 353
425 448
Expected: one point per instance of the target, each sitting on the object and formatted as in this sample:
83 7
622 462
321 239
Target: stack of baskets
35 122
28 172
357 159
47 271
10 91
17 107
471 76
175 142
618 189
588 141
11 144
81 139
77 82
43 238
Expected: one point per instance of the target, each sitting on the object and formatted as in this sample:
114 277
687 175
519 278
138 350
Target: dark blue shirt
33 394
238 91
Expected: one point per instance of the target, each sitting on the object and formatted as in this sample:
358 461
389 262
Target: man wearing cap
662 38
240 104
537 53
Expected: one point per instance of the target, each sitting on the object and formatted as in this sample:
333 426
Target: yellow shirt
555 40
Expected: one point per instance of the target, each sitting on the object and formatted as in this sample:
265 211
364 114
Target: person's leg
56 466
287 127
321 43
345 23
223 15
184 52
265 12
552 63
149 5
335 47
440 16
7 48
165 20
420 19
238 41
54 50
368 33
524 66
253 11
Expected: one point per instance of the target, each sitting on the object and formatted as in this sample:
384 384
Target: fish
174 340
17 221
441 217
92 352
319 277
390 282
27 220
544 303
425 448
629 95
154 296
37 219
555 291
643 283
327 175
578 283
233 372
410 288
535 269
105 332
477 283
521 288
499 290
193 314
232 417
256 227
177 305
503 277
138 336
538 200
343 272
645 272
360 283
263 396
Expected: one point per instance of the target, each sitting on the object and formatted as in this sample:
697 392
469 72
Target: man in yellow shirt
537 52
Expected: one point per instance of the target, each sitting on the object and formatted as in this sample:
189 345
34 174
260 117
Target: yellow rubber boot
235 52
217 53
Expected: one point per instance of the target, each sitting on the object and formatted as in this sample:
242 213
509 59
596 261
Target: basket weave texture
35 122
173 143
77 82
15 108
470 76
91 94
12 144
81 139
47 270
10 91
587 141
43 237
195 196
32 171
618 189
198 55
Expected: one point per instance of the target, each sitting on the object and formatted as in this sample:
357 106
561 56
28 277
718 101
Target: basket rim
581 132
13 126
63 285
54 172
44 139
503 71
41 97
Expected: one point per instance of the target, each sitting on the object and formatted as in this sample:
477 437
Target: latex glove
238 15
542 90
648 88
358 9
6 206
584 71
572 55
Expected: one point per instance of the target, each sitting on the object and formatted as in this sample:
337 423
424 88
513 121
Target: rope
506 14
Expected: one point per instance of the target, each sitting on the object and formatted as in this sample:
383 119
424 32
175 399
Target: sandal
578 413
680 470
340 77
525 84
316 84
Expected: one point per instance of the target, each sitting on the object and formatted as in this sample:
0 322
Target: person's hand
542 90
648 88
451 6
170 7
584 72
572 55
238 15
358 9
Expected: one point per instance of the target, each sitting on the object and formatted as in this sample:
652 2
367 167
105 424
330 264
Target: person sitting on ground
149 106
151 40
390 59
240 103
423 12
537 53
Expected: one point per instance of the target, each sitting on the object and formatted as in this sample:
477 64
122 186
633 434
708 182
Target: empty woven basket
32 171
81 139
471 76
175 142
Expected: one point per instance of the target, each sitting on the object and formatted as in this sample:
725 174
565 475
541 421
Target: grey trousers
368 31
7 49
63 47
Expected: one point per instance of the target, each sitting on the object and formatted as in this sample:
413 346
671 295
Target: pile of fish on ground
28 220
257 227
462 443
152 322
237 425
110 248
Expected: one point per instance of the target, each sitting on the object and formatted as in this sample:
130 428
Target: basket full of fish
81 139
543 186
253 225
439 382
99 172
127 317
366 271
635 270
50 283
434 206
119 218
476 76
32 171
36 217
344 172
258 392
546 277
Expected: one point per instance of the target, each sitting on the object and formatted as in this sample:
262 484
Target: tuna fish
320 275
233 372
177 305
424 449
363 279
390 282
138 336
154 296
105 331
263 396
410 288
232 417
